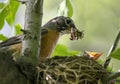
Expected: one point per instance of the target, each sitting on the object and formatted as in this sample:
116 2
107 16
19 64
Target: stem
33 20
114 75
113 47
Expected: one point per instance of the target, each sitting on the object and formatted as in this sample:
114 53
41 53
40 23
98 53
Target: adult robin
50 33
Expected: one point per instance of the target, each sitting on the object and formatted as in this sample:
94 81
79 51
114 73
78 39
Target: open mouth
76 34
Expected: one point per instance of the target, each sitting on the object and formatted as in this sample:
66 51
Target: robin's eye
68 21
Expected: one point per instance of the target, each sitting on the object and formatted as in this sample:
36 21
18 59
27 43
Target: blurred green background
100 20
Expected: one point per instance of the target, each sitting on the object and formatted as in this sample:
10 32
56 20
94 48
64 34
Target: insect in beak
76 34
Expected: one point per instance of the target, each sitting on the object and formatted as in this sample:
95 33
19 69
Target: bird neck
48 43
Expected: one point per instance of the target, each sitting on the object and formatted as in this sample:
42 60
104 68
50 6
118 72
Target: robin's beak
67 26
75 34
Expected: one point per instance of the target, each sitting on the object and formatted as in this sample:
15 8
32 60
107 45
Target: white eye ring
68 22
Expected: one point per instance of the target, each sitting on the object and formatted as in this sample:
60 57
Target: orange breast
48 42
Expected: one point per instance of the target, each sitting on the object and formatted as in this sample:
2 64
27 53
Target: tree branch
113 47
33 20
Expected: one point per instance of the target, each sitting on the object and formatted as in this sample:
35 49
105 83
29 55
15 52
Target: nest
70 70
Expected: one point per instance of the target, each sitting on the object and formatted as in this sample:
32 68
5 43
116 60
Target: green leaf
8 11
13 6
3 13
1 23
116 54
62 50
2 37
18 28
65 9
1 5
74 53
69 8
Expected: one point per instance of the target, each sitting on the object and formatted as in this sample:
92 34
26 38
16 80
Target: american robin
51 32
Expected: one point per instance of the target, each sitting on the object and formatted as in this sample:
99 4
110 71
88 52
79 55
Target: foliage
18 28
2 37
62 50
3 14
116 54
13 6
65 8
7 12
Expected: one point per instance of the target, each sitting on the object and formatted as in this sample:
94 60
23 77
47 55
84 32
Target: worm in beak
76 34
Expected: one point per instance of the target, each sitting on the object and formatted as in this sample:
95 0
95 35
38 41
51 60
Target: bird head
65 25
